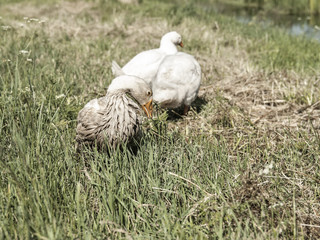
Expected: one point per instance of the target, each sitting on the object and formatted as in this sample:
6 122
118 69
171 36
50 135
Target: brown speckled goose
115 118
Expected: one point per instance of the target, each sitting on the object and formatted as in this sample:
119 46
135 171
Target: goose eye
149 93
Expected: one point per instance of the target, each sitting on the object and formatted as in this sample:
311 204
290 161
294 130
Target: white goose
114 118
145 65
177 82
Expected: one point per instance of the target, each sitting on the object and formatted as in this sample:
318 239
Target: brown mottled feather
112 119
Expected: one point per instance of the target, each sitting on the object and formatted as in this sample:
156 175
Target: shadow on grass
197 106
90 151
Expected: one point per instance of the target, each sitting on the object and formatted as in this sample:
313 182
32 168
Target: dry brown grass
61 19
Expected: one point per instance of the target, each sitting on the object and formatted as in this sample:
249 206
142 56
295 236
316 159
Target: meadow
244 163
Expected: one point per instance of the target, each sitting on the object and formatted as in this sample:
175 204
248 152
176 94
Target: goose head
135 88
170 41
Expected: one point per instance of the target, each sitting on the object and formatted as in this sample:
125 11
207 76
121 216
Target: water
297 25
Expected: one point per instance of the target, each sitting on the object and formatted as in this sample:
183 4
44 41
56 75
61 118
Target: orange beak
147 108
181 44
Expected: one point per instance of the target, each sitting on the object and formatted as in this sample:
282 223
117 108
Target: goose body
145 64
177 82
116 117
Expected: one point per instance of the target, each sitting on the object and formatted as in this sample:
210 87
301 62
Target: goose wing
177 81
90 119
145 65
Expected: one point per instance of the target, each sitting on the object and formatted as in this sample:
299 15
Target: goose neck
168 47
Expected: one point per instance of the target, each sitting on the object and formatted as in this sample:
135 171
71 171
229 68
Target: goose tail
116 69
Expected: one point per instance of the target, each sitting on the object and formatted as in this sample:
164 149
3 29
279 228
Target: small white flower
60 96
25 18
29 60
266 170
276 205
21 25
34 19
24 52
270 166
42 21
5 28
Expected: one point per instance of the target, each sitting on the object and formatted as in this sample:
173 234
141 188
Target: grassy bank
243 165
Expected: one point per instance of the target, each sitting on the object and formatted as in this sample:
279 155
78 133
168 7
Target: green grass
284 6
216 174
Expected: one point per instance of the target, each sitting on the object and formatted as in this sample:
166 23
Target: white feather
178 81
145 64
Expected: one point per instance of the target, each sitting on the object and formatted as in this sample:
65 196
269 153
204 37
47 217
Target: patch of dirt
253 194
